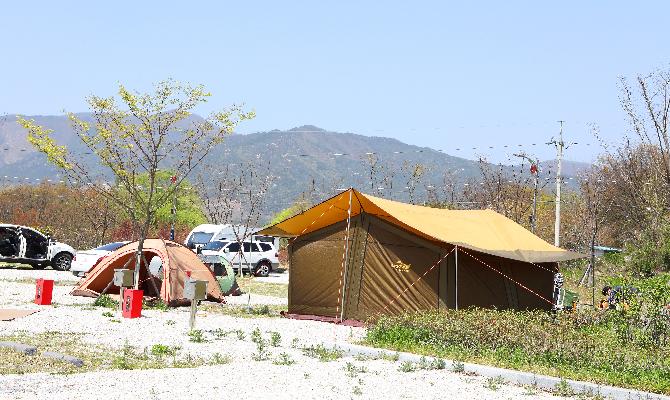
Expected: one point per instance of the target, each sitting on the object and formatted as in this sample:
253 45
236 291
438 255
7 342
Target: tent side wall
483 286
316 267
388 260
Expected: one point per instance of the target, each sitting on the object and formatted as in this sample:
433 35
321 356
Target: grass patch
352 370
322 353
591 346
382 355
95 358
284 359
154 304
253 286
262 311
262 353
196 336
423 364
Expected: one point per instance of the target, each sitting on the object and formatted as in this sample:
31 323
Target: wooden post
194 309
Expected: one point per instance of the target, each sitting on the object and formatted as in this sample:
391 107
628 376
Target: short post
195 291
123 278
194 310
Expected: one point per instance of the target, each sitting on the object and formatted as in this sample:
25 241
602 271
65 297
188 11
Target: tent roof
481 230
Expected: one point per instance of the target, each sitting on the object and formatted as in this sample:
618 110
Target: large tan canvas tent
178 261
354 256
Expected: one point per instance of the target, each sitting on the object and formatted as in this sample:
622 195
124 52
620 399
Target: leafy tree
135 135
189 211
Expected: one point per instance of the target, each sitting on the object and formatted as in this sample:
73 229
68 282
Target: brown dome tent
177 261
354 256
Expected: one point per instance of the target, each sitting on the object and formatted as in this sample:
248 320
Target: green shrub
352 370
196 336
650 253
563 389
494 383
160 350
457 366
105 301
407 366
284 359
609 347
275 339
218 359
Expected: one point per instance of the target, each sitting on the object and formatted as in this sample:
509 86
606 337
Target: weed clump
104 300
322 353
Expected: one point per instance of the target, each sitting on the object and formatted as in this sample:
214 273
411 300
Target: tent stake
456 281
346 257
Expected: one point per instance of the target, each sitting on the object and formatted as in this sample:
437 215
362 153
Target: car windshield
200 237
110 246
215 245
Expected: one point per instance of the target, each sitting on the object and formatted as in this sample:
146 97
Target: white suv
259 258
20 244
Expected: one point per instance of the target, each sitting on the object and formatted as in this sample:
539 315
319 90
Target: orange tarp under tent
177 261
355 255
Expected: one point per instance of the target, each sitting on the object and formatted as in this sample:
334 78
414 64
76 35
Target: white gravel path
243 378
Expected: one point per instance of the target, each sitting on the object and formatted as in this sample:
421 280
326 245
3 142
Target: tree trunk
138 254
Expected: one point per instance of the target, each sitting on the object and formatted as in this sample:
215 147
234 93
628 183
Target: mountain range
303 159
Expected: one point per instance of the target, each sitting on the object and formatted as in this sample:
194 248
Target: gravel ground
307 378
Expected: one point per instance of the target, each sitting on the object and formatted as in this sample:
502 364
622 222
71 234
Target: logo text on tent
401 266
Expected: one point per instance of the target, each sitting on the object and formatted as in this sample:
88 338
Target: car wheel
263 268
62 262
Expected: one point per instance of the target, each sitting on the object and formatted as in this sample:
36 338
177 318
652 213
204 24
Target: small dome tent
169 285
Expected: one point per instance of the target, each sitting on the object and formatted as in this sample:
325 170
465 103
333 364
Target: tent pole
346 257
456 280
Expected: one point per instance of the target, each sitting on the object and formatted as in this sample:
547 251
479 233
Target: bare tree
648 111
596 208
237 197
412 174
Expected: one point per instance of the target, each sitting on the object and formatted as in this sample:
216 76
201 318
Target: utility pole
534 170
559 148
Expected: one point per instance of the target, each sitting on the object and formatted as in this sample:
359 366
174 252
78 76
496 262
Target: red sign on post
43 291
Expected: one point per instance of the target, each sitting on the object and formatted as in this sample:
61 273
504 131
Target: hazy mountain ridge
303 158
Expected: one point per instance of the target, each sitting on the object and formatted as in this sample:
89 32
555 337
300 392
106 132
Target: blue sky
440 74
